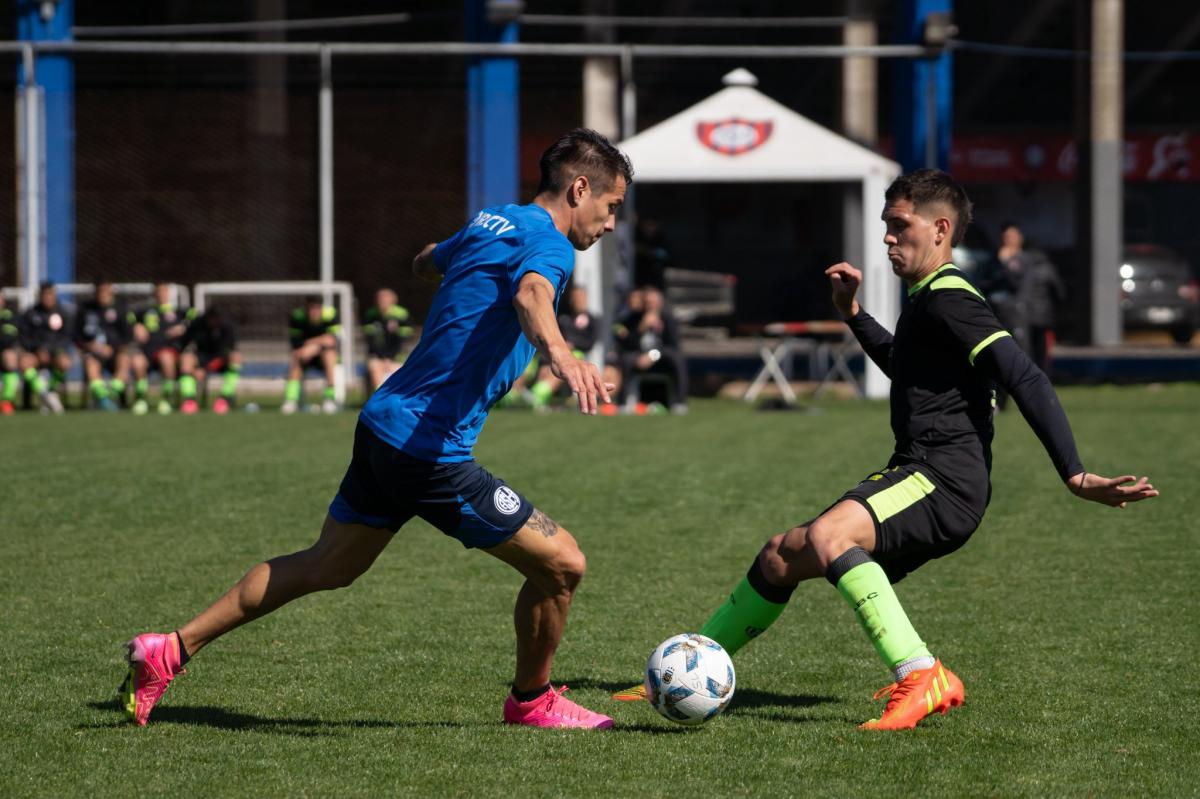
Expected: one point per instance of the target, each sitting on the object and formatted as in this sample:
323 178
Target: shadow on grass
219 718
746 701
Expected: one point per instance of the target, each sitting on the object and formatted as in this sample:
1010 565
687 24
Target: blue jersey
472 348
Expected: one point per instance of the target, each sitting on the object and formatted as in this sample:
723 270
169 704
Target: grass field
1075 627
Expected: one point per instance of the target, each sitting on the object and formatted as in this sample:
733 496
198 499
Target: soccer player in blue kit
501 278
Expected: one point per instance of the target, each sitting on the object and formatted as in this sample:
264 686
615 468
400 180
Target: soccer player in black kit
103 331
947 353
215 340
45 336
10 361
385 329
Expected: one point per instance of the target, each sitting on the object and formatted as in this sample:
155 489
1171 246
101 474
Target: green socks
230 382
329 393
865 586
291 392
542 393
141 387
99 389
11 379
34 379
752 607
187 387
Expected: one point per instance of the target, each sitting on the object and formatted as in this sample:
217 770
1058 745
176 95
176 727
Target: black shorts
214 361
384 488
106 364
916 520
384 354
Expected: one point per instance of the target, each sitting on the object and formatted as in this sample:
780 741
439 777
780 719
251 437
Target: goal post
341 291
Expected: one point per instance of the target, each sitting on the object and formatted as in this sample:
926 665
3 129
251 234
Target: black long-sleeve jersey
44 328
386 331
159 320
103 324
211 340
947 353
301 328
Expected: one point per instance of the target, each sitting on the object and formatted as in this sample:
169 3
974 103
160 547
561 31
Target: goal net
261 309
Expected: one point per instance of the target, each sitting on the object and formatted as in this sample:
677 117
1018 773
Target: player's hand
1113 491
583 378
424 267
844 280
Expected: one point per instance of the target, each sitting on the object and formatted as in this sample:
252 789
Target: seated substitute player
385 328
215 341
10 362
45 337
313 330
159 329
947 353
102 336
501 276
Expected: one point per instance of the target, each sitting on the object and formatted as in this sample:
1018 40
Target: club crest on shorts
506 500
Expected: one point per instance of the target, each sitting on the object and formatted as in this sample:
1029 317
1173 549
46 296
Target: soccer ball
689 678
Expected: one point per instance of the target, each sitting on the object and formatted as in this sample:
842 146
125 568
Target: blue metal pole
492 115
924 88
55 73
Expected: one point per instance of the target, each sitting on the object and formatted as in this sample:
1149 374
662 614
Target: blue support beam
55 74
493 130
924 88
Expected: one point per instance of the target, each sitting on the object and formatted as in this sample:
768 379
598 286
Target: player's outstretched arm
1035 396
424 267
535 309
1114 491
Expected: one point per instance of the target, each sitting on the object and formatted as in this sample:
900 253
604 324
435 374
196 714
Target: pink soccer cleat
221 406
189 407
153 663
552 710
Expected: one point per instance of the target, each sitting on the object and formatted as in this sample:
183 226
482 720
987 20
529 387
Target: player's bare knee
827 540
771 559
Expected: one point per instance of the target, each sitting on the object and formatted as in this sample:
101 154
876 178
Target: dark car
1159 292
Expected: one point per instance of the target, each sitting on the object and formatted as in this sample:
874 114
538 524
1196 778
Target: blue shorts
384 487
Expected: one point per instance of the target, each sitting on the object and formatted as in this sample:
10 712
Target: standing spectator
9 360
215 341
159 329
648 340
45 337
313 330
578 328
1004 295
102 336
1040 294
385 329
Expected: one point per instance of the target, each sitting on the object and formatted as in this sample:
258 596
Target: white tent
739 135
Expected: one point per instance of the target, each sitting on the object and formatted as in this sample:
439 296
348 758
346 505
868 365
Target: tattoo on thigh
542 523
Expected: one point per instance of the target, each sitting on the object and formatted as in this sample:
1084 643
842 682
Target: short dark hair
583 152
924 187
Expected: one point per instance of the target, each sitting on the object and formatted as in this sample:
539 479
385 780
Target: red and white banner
1148 157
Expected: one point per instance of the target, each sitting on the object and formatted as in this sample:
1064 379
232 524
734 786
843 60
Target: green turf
1073 626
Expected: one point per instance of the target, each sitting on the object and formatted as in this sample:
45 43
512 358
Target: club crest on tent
733 136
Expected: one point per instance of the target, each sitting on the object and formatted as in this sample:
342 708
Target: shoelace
568 710
897 691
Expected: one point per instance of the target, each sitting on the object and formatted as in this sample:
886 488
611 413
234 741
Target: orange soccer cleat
919 694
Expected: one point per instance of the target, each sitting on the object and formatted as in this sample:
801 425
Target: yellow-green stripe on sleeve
981 345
